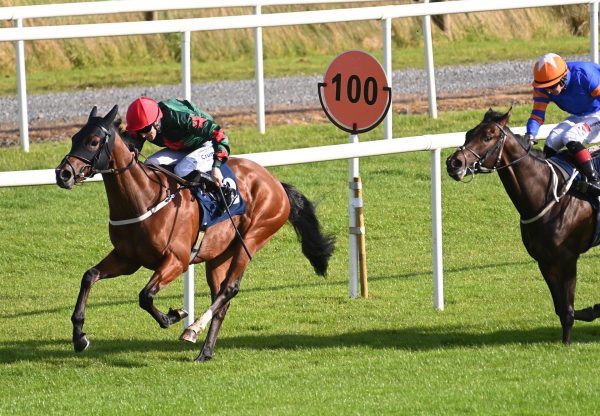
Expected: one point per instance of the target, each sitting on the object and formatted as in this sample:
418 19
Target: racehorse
155 222
556 226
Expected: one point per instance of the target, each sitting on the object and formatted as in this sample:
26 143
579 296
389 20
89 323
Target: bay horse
154 223
556 226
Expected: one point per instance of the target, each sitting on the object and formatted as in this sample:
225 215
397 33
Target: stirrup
199 179
589 188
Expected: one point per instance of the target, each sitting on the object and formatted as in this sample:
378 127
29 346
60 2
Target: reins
499 147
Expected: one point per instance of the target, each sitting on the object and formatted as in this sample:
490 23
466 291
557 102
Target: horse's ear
506 117
108 119
93 113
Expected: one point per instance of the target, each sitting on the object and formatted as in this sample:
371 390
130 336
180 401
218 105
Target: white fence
434 143
257 21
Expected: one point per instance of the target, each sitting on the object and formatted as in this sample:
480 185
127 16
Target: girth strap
147 214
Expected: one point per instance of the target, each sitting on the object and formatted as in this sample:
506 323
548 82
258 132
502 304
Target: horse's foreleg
561 280
111 266
169 270
213 315
208 348
567 318
80 340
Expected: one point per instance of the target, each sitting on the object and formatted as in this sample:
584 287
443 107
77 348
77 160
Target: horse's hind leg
168 271
111 266
588 314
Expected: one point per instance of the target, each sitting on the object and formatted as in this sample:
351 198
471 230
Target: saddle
217 203
580 186
223 196
564 162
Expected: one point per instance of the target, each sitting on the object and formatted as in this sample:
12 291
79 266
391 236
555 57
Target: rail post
22 91
431 98
186 64
260 76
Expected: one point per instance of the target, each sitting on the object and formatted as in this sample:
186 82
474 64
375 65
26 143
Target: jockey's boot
584 163
197 179
549 152
593 180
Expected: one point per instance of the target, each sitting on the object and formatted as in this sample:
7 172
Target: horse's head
483 148
91 149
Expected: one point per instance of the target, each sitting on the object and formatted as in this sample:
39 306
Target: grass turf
294 343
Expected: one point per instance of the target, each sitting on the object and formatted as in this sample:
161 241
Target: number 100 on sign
355 94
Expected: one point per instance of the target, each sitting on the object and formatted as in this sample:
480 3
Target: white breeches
582 129
200 159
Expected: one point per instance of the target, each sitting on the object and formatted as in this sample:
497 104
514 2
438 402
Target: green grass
294 343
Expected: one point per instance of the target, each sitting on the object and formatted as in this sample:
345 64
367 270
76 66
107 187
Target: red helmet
548 70
141 113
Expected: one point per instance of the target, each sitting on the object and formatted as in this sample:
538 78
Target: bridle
499 147
98 161
478 165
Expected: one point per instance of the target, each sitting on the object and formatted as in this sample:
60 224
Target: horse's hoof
189 335
201 358
80 344
177 314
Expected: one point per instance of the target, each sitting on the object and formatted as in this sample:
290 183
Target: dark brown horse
556 227
164 225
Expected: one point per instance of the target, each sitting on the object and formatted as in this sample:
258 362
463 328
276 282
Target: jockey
193 141
575 88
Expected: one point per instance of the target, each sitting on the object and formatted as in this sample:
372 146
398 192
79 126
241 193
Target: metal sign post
356 97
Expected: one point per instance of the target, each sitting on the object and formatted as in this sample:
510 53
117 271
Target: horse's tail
316 246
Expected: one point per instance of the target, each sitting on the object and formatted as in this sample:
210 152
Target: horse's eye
94 142
487 138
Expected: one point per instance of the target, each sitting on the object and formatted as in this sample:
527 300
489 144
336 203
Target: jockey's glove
529 137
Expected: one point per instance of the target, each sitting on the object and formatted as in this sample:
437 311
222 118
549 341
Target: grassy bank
306 49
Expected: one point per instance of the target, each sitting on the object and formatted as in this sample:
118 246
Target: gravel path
47 111
290 91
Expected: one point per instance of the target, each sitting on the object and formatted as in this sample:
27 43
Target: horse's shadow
408 339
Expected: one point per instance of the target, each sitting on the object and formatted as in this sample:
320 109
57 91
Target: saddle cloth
212 211
563 162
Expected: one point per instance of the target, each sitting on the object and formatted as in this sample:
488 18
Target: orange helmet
548 70
141 113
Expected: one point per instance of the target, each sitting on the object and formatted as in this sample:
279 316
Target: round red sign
356 96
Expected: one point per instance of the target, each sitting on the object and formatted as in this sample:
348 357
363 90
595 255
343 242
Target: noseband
499 147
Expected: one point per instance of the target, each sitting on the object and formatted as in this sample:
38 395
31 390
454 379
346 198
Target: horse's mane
132 142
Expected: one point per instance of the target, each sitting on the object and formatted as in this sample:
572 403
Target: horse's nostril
65 175
453 163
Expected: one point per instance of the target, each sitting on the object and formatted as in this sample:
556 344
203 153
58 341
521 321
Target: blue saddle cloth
211 212
563 160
